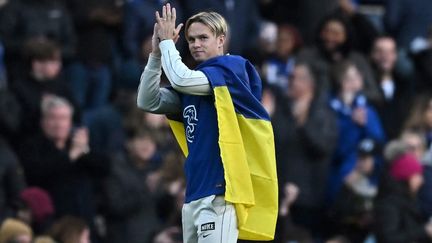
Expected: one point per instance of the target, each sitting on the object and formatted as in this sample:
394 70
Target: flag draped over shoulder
246 145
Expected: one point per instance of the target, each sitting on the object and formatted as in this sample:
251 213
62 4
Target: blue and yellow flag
246 145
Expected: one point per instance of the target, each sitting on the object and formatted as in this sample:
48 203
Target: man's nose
196 44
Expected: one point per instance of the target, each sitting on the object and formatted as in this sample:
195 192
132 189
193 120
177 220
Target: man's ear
221 41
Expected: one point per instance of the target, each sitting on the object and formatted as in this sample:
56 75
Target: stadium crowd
349 92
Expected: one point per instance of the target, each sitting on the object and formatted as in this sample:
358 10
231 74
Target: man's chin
199 59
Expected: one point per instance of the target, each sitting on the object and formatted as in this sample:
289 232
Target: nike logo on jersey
208 226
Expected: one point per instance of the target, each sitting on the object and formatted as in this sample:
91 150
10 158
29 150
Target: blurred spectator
303 14
395 91
357 120
15 231
42 77
266 45
169 235
70 230
11 180
41 208
364 32
397 218
352 212
407 19
10 114
242 15
97 22
420 117
139 19
416 144
425 194
130 209
27 19
305 135
43 239
169 185
423 62
334 44
59 160
279 68
3 75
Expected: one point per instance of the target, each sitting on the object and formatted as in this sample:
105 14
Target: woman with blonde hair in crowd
13 230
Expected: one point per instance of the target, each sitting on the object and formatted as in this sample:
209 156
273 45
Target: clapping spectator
397 218
357 120
59 160
305 136
130 208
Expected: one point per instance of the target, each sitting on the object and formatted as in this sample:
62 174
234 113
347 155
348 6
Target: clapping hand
165 25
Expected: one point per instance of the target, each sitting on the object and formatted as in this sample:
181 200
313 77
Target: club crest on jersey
190 114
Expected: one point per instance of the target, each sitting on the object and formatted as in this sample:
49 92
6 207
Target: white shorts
209 220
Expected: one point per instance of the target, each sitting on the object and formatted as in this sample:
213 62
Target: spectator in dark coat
10 114
397 217
334 44
59 160
395 91
27 19
305 135
43 77
130 205
423 61
425 194
11 180
90 76
357 120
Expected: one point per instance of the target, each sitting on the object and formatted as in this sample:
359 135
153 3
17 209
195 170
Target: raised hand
166 24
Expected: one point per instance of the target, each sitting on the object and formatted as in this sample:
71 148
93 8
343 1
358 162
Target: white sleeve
150 96
180 76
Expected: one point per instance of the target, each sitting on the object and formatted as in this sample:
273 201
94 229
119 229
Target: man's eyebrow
197 36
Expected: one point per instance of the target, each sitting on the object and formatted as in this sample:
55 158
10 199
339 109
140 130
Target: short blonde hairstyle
213 20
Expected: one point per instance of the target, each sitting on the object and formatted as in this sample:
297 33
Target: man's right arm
150 96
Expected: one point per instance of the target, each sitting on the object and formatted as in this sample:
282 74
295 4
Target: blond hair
216 23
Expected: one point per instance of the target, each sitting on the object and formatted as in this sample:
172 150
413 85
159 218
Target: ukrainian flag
246 144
